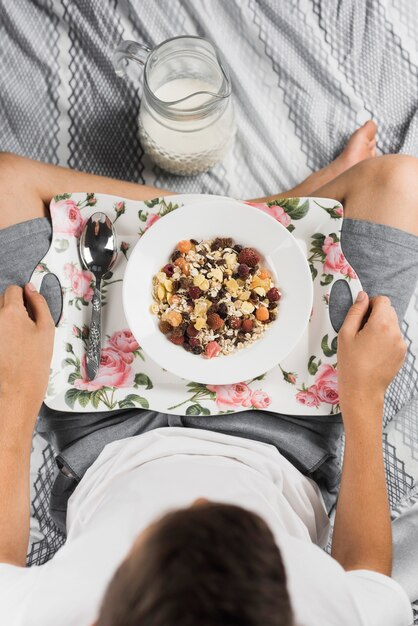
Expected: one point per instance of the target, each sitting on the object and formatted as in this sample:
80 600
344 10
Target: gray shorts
385 259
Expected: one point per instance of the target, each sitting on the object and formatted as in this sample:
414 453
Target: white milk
192 145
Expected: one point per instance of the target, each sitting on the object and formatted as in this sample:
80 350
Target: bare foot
360 146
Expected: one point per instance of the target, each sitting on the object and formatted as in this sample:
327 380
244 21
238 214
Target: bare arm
38 182
23 343
368 359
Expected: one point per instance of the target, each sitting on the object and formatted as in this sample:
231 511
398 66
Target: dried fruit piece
165 327
247 326
200 323
195 292
222 310
174 318
243 270
191 331
168 270
184 246
187 346
262 314
183 265
264 273
232 286
194 342
273 294
244 295
249 256
212 349
237 247
178 340
176 254
260 291
214 321
235 322
197 350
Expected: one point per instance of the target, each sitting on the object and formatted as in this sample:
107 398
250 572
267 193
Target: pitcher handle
128 50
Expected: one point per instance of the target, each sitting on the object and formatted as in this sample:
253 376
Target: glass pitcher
186 119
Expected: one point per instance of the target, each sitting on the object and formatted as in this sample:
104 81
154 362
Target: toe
369 129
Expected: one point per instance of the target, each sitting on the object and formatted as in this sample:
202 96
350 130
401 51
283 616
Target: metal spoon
98 250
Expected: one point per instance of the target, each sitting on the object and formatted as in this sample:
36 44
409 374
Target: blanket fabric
305 74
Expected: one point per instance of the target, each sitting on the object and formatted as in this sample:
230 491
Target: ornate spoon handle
95 336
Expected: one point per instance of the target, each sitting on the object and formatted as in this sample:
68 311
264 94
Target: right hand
369 357
26 343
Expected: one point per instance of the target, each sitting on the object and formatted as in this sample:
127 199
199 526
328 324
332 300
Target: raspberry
222 310
249 257
243 270
273 294
165 327
178 341
214 321
191 331
195 292
247 326
234 322
194 342
168 270
212 349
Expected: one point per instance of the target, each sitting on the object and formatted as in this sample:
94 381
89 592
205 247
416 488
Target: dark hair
207 565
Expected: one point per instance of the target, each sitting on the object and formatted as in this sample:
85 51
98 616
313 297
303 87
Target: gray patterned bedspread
305 74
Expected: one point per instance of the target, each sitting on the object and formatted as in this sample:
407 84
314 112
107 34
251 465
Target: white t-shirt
134 481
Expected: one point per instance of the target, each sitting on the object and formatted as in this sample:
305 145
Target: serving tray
305 382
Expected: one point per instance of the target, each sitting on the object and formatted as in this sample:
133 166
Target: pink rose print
335 260
230 396
308 397
260 400
292 379
81 284
339 211
125 343
80 281
154 217
113 372
67 218
326 384
277 212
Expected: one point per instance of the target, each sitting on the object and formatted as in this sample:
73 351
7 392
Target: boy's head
206 565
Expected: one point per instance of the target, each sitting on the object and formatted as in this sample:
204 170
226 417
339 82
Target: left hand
26 343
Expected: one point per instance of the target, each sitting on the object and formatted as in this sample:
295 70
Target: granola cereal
214 297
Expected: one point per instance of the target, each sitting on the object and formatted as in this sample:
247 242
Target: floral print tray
303 383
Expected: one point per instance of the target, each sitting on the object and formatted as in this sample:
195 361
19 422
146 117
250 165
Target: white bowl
250 227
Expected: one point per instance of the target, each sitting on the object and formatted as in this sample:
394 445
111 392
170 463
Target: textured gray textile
305 74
